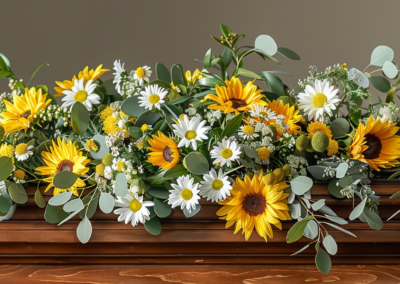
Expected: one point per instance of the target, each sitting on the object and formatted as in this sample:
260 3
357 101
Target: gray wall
72 34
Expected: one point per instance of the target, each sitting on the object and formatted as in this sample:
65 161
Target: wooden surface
195 250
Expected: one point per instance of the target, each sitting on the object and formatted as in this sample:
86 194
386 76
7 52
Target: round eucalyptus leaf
192 212
121 185
340 127
335 189
358 77
381 83
73 205
381 54
60 199
131 107
197 163
330 245
341 170
390 69
106 202
84 230
162 209
159 192
147 117
153 226
322 260
65 179
54 214
5 167
265 44
301 184
17 193
103 148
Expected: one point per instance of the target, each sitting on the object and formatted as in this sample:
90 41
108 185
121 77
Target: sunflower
291 115
375 143
316 126
254 203
63 157
236 98
20 114
164 151
85 74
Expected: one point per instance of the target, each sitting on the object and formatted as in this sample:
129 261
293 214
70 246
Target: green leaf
396 195
5 73
247 73
358 210
192 212
60 199
373 220
34 73
17 193
39 199
70 216
232 126
162 73
160 192
274 84
84 230
300 250
301 184
381 54
336 219
265 44
340 127
101 144
177 75
135 131
381 83
196 163
322 260
162 209
6 167
390 70
106 202
335 189
177 171
288 53
226 57
311 230
65 179
397 212
207 59
73 205
390 95
147 117
4 62
249 152
355 117
79 118
121 185
131 107
5 203
317 205
2 132
330 245
54 214
341 170
153 226
181 99
318 172
340 229
160 83
210 82
297 230
171 113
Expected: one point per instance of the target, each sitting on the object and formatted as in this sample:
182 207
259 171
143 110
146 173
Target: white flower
119 69
142 74
262 112
3 187
358 77
190 131
81 93
152 95
318 100
108 172
23 152
215 187
132 208
226 152
184 194
248 132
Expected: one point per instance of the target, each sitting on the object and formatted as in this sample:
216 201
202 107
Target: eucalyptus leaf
162 73
247 73
249 151
330 244
131 107
318 172
381 84
147 117
55 214
5 204
274 84
161 193
161 208
311 230
192 212
153 226
121 185
288 53
397 212
336 219
176 171
6 166
80 118
232 126
297 230
340 127
381 54
17 193
60 199
106 202
341 170
73 205
322 260
301 184
197 163
358 77
101 144
265 44
64 179
335 189
302 249
84 230
373 220
340 229
390 70
317 205
358 210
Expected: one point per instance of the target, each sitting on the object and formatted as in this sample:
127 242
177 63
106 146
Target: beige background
72 34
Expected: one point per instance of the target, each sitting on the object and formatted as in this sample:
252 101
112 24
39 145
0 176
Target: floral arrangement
141 148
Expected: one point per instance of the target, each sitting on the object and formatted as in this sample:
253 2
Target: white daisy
152 95
248 132
132 209
190 131
185 194
262 112
215 187
318 100
23 151
119 69
3 187
81 93
142 74
226 152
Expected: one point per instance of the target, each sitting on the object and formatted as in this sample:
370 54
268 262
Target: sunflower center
263 153
140 72
248 130
167 154
191 134
319 100
186 194
65 165
226 153
153 99
135 205
254 204
21 149
374 147
217 184
81 96
237 103
26 114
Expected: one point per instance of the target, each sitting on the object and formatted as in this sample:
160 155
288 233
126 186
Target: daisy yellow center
191 134
140 72
248 130
120 166
144 127
19 174
21 149
226 153
65 165
254 204
135 205
186 194
263 153
140 145
319 100
263 113
217 184
81 96
153 99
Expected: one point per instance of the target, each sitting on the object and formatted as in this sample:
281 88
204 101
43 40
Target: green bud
287 170
320 141
302 142
273 129
286 100
107 159
100 169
